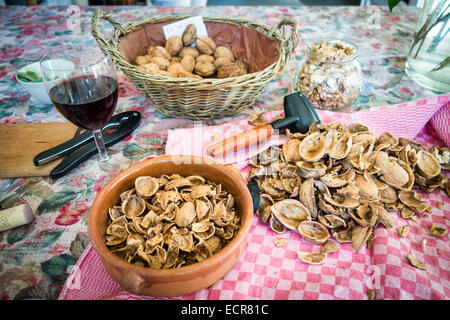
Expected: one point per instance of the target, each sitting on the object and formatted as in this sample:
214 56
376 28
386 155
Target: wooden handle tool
299 116
241 140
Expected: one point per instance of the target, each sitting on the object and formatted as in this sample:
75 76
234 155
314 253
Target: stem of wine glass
98 136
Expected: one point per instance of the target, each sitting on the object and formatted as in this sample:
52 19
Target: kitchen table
35 259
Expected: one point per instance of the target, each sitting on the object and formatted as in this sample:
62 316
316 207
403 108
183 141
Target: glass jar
330 74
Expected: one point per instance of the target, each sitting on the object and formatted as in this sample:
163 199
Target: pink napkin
266 271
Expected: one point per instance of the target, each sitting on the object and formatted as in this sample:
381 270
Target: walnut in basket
205 68
162 63
190 51
159 51
221 61
222 51
205 45
189 35
188 63
230 70
176 70
174 45
141 60
205 57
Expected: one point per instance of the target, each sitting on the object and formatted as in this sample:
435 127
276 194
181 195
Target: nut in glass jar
330 74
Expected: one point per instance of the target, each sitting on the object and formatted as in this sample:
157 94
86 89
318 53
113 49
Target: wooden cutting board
20 143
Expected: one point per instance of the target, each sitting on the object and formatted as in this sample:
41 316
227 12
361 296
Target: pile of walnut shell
171 221
342 180
181 60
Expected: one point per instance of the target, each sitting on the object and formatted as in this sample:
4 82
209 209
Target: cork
15 217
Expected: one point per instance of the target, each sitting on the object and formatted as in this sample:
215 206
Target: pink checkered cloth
266 271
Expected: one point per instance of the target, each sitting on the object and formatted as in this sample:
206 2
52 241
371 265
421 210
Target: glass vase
428 61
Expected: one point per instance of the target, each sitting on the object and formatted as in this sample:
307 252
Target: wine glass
82 85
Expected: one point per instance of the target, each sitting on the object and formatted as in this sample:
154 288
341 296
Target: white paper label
177 28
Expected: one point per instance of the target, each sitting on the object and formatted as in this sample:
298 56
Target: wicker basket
199 99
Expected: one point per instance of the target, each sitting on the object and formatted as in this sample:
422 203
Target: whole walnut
150 67
188 63
162 63
205 57
190 75
189 35
205 69
163 73
140 60
159 51
190 51
174 60
230 70
242 64
222 51
220 61
175 69
205 45
150 50
174 45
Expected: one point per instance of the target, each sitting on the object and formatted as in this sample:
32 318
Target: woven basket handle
289 41
102 42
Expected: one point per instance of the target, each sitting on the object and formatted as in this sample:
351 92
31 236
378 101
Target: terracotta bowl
186 279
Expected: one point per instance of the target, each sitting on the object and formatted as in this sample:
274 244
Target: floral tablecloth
36 259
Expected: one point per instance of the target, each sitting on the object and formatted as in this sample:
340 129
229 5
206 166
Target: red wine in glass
87 101
82 84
